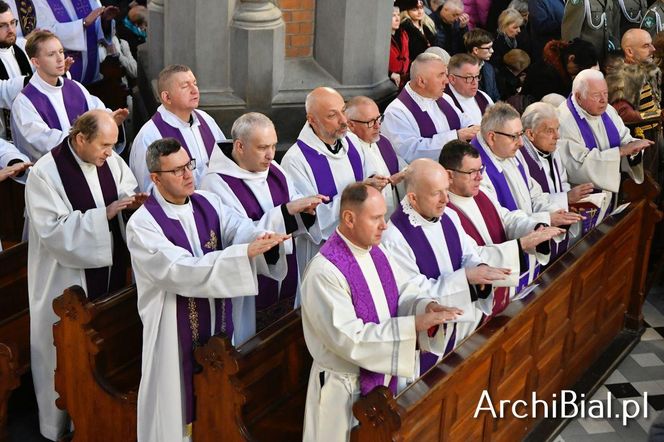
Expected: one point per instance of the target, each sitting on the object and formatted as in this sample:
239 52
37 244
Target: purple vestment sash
428 265
424 122
82 8
338 253
388 154
168 131
587 132
193 314
268 288
480 99
320 166
80 197
72 95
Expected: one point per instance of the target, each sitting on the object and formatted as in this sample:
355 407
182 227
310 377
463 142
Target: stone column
155 39
258 52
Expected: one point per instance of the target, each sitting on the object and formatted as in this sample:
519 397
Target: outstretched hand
265 242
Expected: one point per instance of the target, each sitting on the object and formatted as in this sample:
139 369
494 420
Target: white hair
442 53
423 59
455 4
553 99
243 126
536 113
580 83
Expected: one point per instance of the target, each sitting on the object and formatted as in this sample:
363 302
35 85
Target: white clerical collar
458 199
46 87
534 152
309 137
460 96
82 164
419 99
175 121
174 210
497 161
356 250
7 51
220 163
365 145
414 218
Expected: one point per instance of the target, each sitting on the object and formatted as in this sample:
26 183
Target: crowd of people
398 233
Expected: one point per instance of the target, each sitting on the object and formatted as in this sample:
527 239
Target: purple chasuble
168 131
427 264
268 288
72 96
389 156
98 280
194 318
338 253
424 122
320 166
587 132
480 99
82 8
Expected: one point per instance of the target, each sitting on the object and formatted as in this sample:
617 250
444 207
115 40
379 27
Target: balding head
427 183
637 46
93 136
325 114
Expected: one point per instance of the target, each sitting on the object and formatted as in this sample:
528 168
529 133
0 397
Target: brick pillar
299 18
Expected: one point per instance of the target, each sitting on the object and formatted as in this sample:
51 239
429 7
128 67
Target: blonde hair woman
509 26
419 27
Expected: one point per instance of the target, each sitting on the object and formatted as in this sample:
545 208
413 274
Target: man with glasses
464 89
364 120
190 255
178 117
479 44
422 117
595 145
75 196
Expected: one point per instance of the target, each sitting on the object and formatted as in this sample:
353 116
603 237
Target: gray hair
580 83
536 113
497 116
442 53
553 99
354 103
420 61
243 126
456 4
160 148
519 5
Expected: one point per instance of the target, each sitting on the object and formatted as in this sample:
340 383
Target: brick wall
299 18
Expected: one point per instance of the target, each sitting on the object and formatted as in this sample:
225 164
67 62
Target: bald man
74 197
362 320
324 160
653 20
430 243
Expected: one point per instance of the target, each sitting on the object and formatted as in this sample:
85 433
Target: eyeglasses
515 137
472 173
489 48
179 171
371 123
5 26
469 78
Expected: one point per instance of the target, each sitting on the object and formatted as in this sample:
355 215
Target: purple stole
497 233
424 122
82 8
320 166
389 156
168 131
268 288
193 314
80 197
427 264
480 99
72 95
586 131
338 253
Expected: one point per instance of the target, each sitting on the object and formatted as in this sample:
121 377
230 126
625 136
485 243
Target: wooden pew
14 324
98 363
13 206
256 391
586 303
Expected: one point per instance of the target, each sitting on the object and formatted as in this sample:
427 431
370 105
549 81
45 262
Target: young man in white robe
362 319
74 198
486 221
177 117
364 120
463 87
324 160
595 145
190 255
45 109
422 117
246 178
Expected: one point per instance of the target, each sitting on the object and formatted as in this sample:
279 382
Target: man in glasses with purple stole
595 145
362 319
74 198
248 180
190 255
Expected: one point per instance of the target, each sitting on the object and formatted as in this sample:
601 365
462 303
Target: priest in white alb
244 175
74 197
595 145
177 117
324 160
190 255
464 86
422 117
363 321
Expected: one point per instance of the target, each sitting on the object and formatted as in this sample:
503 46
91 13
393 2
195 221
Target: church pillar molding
155 39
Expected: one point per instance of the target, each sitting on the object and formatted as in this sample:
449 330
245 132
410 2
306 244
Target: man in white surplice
72 233
362 320
187 248
422 117
45 109
464 87
595 145
364 120
178 117
324 160
248 180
